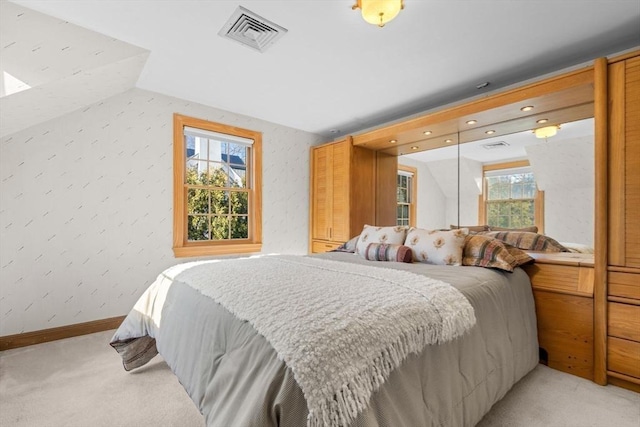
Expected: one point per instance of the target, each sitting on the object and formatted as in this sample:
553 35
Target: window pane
215 153
218 176
237 154
196 148
529 191
197 201
197 227
516 191
196 172
237 176
239 202
402 195
219 228
399 211
405 211
219 202
239 227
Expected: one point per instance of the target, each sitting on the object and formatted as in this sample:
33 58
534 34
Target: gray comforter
235 378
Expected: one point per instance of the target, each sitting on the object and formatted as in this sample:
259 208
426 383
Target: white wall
86 206
564 169
430 207
445 173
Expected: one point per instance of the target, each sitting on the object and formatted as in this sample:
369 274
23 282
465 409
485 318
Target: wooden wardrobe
619 317
350 187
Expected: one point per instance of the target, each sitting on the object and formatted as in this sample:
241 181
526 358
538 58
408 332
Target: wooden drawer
624 321
569 279
624 356
565 331
320 246
625 285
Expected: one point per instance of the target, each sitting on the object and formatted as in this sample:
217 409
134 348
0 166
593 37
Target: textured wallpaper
86 206
430 206
564 169
66 66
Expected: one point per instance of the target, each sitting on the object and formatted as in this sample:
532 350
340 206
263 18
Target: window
511 198
406 196
217 188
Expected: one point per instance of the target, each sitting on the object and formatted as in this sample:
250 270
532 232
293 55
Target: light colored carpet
80 382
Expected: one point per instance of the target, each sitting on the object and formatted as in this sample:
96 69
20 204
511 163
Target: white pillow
437 247
372 234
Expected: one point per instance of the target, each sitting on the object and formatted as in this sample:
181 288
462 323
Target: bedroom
100 141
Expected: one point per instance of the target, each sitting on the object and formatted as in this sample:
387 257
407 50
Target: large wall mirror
479 162
512 181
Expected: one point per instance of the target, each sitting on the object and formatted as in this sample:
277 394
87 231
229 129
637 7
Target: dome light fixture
379 12
546 132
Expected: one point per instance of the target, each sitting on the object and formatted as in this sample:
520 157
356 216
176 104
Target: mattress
235 377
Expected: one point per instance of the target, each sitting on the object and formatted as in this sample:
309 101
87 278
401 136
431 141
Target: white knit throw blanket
340 327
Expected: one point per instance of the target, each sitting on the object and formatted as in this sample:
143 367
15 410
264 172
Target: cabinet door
340 171
624 163
322 192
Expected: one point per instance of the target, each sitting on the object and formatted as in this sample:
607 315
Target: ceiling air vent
494 145
251 30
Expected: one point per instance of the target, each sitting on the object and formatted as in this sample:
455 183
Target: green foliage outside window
218 208
511 200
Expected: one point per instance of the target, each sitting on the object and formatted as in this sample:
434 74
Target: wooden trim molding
182 247
45 335
601 113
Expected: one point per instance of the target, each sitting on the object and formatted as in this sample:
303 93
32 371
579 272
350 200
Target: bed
235 376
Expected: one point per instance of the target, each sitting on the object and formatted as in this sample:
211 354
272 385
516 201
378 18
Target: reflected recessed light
472 122
490 132
527 108
415 147
427 132
393 141
542 121
448 141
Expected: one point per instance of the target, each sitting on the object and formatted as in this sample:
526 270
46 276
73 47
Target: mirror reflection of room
516 181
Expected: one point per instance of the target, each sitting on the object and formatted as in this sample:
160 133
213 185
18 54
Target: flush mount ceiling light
490 132
546 132
527 108
541 121
427 132
393 141
471 122
379 12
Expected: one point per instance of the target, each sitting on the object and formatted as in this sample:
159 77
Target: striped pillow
527 241
387 252
485 251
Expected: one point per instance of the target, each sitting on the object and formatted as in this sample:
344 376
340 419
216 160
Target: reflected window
406 196
511 197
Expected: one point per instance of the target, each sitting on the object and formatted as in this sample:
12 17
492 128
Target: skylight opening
11 85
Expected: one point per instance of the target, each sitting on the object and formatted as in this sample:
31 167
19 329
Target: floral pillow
389 235
485 251
387 252
437 247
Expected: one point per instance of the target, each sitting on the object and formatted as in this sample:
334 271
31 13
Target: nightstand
563 291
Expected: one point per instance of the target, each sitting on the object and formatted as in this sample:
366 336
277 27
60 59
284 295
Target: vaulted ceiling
334 74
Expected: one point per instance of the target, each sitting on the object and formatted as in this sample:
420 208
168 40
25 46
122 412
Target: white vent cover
251 30
494 145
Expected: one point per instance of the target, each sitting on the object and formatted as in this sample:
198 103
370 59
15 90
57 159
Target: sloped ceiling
334 71
63 67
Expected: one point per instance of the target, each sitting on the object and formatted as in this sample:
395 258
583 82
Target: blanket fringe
349 401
